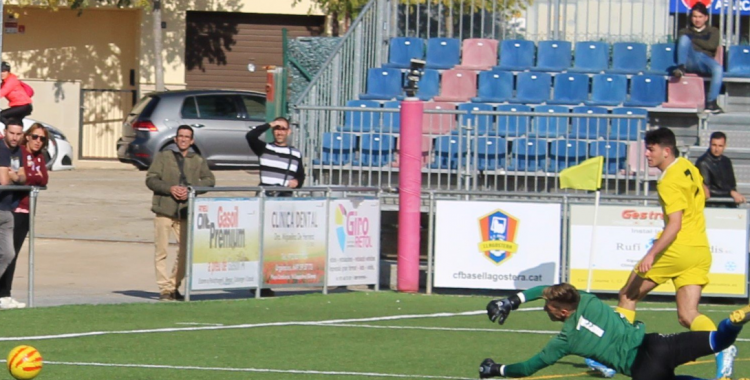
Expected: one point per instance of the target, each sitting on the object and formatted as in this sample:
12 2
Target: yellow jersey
680 188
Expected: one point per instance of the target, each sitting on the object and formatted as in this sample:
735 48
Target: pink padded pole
410 188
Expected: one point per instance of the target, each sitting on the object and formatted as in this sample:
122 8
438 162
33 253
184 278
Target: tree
340 12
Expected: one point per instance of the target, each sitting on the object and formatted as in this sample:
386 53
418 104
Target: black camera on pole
413 76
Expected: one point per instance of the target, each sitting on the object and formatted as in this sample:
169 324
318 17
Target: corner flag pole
593 241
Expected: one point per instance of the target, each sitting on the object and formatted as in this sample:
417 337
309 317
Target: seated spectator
717 171
696 49
19 101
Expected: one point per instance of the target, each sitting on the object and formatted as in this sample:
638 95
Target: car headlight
56 133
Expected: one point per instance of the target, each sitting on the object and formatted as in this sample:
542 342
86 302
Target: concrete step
730 120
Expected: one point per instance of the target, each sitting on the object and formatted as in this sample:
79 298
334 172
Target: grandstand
508 109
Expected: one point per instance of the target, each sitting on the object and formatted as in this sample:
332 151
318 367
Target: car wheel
50 157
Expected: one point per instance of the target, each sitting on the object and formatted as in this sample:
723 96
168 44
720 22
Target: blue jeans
697 62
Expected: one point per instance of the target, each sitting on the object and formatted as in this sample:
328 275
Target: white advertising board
353 241
625 233
226 243
496 245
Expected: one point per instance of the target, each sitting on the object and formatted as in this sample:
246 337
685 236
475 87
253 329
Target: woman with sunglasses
34 143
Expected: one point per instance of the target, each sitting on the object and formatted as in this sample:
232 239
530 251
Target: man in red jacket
19 101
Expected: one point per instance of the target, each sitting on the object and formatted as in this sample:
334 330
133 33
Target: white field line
260 370
292 323
198 324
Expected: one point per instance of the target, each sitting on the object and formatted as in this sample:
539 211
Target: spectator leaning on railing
11 173
718 173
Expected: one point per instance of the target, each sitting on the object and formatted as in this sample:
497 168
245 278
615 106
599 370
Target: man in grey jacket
169 177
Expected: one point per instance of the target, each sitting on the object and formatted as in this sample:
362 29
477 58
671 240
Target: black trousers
660 354
18 112
20 230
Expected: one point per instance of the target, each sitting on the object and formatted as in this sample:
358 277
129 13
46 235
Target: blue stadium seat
739 61
337 149
528 155
570 89
402 50
615 154
361 121
481 123
566 153
553 56
491 153
589 127
516 55
448 151
608 90
513 126
429 85
647 91
551 126
375 150
628 129
390 121
443 53
532 87
383 84
591 57
663 59
628 58
494 87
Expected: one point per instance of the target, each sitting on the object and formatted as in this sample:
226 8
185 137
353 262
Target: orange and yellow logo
499 230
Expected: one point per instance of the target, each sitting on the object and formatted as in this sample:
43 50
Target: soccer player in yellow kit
681 252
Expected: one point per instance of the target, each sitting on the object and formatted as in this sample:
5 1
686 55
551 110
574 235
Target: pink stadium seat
426 148
685 92
632 163
478 54
438 124
457 86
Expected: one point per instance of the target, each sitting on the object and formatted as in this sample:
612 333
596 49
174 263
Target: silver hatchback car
220 119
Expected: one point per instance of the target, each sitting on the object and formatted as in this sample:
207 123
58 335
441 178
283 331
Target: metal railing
488 150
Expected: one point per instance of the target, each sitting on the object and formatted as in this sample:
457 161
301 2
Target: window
217 107
256 107
189 109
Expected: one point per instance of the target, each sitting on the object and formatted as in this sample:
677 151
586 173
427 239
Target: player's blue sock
725 335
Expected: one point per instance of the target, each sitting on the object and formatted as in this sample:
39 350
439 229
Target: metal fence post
430 241
32 237
260 251
328 226
188 244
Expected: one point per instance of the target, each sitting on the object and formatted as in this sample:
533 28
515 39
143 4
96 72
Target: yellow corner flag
585 176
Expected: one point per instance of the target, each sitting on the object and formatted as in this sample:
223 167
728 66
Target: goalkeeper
591 329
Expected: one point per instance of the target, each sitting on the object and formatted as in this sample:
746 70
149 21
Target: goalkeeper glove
488 369
498 310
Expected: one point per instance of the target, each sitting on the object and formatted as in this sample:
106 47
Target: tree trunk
335 23
158 64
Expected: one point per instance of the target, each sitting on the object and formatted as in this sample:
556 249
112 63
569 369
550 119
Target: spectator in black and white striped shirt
280 163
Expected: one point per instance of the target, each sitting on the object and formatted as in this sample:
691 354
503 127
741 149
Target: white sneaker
7 303
19 305
725 362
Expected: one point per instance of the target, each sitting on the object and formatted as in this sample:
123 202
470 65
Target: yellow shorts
684 265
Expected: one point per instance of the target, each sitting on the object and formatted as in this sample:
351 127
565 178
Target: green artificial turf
442 347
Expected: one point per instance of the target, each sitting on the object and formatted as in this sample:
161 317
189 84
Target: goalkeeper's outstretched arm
498 310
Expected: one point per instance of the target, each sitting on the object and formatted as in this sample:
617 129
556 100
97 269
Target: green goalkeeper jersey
594 331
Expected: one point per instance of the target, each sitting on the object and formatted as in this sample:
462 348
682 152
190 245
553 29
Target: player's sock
725 335
600 368
628 314
702 323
